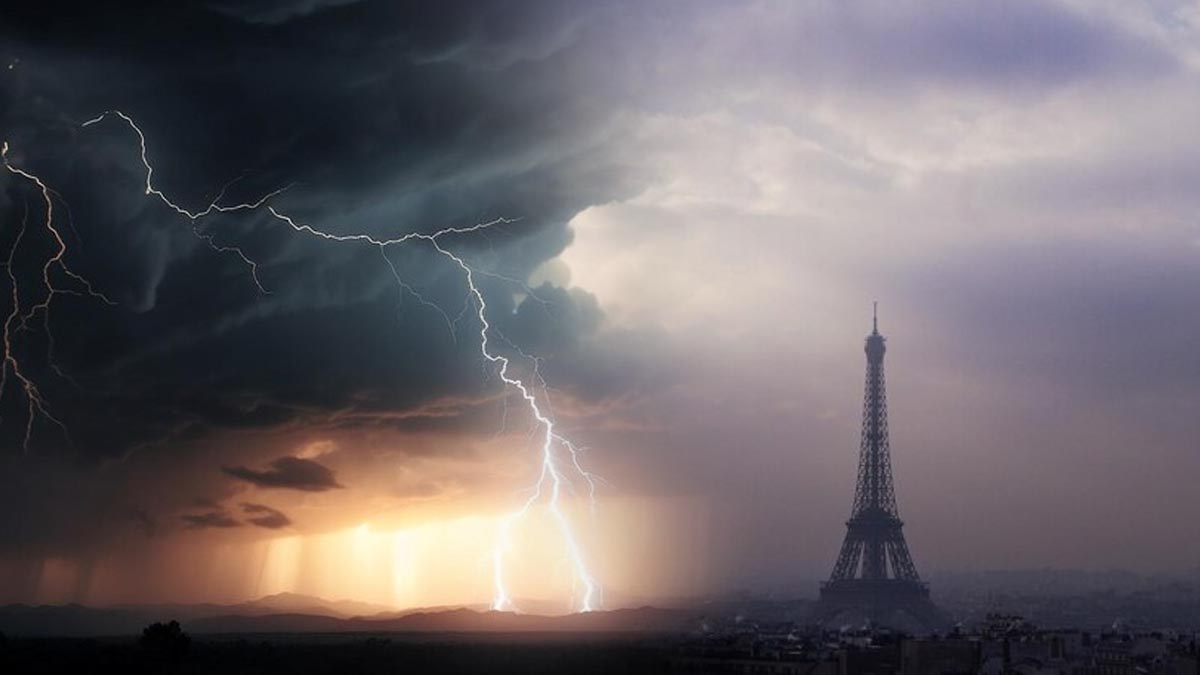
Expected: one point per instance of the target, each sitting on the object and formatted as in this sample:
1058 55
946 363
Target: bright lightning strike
18 320
550 474
557 454
194 216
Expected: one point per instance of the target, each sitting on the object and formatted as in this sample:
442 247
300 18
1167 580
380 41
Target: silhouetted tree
166 640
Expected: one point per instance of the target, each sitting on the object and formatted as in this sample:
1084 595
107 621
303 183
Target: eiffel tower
874 578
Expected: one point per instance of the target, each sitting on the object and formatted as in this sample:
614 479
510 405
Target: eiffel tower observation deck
874 579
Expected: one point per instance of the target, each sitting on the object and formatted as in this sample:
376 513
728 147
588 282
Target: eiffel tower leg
930 615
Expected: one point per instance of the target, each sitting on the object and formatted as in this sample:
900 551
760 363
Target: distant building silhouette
874 578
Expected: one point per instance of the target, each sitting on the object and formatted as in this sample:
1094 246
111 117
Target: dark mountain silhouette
302 614
462 620
279 603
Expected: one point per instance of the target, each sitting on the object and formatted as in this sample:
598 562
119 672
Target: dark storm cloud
146 522
264 516
389 117
274 11
563 326
292 473
211 519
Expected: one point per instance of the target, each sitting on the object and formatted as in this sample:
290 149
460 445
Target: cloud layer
291 473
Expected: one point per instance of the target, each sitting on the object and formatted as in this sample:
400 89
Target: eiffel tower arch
874 578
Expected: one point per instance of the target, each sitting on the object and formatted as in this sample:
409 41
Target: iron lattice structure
874 575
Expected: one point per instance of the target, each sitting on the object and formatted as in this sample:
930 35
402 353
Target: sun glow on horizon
439 562
435 563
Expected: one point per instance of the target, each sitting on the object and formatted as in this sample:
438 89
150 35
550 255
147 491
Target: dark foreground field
343 653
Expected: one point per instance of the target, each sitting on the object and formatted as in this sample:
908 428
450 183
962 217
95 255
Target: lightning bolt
557 454
550 476
195 216
18 320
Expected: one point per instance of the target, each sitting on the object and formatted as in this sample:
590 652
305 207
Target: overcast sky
707 197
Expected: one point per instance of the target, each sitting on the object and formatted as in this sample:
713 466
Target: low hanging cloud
291 473
212 519
261 515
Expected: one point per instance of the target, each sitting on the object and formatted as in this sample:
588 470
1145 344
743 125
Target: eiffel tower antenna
874 576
